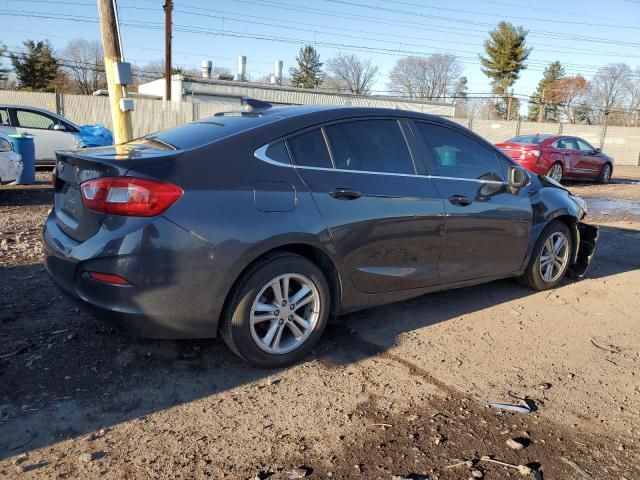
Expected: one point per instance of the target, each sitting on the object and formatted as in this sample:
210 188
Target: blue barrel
24 145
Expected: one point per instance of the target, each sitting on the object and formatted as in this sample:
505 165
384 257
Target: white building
205 90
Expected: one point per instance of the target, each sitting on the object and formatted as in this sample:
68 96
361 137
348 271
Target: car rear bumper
177 282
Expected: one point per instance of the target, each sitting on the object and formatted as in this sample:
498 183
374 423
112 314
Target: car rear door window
370 145
278 152
28 119
567 144
456 155
310 150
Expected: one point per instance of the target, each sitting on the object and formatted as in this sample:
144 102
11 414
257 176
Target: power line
298 41
518 17
336 32
473 22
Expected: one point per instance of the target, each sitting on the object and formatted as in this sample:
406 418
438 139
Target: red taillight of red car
527 154
129 196
109 278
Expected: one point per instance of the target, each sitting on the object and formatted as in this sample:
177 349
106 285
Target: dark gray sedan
261 225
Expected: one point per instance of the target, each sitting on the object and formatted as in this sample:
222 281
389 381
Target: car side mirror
518 177
597 150
59 127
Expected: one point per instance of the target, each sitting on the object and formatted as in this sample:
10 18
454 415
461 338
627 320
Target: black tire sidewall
533 277
238 331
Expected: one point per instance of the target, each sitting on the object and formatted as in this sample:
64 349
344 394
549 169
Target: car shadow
64 374
36 194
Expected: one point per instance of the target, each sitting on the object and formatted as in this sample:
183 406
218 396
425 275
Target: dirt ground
393 392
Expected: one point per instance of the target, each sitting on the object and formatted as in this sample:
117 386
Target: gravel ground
393 392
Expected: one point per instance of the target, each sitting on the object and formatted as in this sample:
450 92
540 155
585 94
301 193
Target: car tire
250 329
537 276
605 174
556 171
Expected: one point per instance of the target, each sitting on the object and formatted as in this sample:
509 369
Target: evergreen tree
461 88
543 102
308 74
37 68
506 56
4 72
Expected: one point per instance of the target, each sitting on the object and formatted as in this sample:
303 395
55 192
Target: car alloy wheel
555 172
554 257
606 173
284 313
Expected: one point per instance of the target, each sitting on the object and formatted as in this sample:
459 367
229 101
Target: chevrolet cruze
261 225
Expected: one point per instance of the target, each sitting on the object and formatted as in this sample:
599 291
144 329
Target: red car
559 157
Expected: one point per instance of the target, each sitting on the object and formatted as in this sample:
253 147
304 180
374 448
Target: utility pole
168 10
112 47
510 98
541 106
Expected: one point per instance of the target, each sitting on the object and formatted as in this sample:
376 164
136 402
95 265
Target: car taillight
109 278
524 153
129 196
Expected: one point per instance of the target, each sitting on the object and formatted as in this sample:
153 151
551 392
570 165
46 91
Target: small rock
85 457
477 473
19 469
524 470
293 473
514 444
621 448
20 458
544 386
438 440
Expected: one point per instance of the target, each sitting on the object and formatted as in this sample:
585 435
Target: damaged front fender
587 244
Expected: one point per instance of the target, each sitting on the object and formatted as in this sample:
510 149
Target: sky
583 35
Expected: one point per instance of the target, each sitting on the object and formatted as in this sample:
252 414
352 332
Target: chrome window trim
260 154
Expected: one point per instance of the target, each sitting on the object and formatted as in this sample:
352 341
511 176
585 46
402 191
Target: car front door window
27 119
455 155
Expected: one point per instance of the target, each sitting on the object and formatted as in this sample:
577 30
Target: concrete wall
623 143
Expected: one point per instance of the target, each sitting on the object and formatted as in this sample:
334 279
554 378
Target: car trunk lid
77 166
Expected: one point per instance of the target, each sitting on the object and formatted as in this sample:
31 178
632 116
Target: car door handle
460 200
345 194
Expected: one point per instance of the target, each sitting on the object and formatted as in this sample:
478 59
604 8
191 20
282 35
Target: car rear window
535 139
197 134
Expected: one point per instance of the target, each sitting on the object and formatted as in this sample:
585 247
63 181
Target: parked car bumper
177 282
11 169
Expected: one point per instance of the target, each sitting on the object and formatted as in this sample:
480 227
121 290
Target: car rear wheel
555 172
605 174
277 311
550 258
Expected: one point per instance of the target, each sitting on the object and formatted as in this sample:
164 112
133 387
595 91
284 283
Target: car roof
324 113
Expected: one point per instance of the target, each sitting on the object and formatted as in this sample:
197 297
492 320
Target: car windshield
200 133
535 139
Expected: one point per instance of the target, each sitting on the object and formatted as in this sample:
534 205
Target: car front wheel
550 258
277 311
605 174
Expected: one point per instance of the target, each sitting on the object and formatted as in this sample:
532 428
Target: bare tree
633 98
351 73
433 77
609 85
82 61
